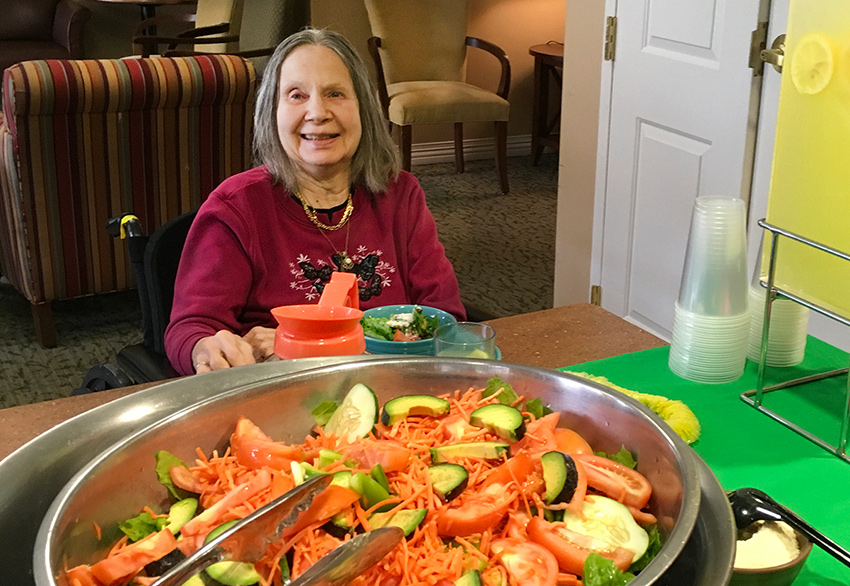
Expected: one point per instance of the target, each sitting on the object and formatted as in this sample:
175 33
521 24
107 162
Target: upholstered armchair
82 141
419 49
41 29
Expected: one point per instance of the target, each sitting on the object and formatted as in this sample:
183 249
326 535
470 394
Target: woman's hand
261 340
222 350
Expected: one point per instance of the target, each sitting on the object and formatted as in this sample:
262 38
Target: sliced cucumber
485 450
472 578
448 480
408 520
503 420
560 477
356 416
401 407
230 573
608 521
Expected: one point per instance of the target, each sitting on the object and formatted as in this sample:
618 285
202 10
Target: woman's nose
317 110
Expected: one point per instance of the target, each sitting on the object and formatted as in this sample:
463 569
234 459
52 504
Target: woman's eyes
300 96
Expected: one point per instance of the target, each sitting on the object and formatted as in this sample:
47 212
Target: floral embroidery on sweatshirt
373 274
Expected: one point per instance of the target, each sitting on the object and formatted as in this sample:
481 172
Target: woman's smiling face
318 115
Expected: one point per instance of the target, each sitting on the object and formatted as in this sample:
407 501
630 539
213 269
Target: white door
680 95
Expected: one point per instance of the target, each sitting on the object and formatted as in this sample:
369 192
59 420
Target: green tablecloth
745 447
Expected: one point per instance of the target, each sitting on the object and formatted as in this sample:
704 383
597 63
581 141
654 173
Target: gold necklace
349 207
346 264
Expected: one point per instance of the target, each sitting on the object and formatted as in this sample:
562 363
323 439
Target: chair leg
459 146
406 144
42 317
502 154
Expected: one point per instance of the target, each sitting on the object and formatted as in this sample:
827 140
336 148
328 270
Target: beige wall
514 25
583 43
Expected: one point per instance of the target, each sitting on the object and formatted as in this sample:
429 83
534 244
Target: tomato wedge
476 514
254 449
570 442
197 528
130 560
539 435
623 484
515 469
571 549
527 563
325 505
400 336
393 456
183 478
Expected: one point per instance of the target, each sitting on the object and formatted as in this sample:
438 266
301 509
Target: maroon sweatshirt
252 247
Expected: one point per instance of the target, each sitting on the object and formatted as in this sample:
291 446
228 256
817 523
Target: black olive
165 563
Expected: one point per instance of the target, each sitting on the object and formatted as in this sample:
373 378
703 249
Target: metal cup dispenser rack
755 397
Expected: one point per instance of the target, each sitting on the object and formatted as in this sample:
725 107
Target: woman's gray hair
375 162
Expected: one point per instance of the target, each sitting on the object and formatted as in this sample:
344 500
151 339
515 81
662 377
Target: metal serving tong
248 540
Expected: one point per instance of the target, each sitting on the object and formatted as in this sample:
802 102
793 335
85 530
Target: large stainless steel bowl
121 480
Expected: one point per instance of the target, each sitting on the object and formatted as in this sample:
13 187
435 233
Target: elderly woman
328 196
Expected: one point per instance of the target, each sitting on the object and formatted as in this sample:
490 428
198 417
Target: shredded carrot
426 557
97 532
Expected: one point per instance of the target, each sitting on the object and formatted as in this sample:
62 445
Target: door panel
688 29
667 162
678 127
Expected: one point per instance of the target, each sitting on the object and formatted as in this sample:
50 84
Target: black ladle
750 505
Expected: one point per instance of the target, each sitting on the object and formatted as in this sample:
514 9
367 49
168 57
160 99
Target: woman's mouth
318 137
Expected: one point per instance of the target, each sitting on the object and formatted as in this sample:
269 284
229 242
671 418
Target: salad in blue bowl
403 329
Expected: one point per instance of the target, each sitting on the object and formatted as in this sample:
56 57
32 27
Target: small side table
548 64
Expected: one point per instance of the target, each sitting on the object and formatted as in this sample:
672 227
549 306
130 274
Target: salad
400 327
488 490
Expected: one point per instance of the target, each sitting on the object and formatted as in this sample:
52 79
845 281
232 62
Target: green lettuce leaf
164 461
424 325
600 571
141 526
376 327
623 457
323 411
506 397
537 408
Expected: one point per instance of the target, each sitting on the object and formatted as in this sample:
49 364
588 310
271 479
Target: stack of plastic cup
789 325
712 319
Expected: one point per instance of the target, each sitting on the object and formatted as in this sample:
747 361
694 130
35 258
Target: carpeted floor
502 248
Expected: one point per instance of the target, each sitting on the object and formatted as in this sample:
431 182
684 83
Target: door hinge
610 38
758 43
596 294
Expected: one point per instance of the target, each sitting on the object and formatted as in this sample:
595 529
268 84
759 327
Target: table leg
537 121
148 11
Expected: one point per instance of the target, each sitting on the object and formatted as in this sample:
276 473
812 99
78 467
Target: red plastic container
331 328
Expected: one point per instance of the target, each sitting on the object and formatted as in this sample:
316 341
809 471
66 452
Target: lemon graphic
812 64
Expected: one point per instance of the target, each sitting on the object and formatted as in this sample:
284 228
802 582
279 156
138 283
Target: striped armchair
82 141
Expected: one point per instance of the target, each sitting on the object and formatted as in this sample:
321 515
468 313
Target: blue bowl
416 347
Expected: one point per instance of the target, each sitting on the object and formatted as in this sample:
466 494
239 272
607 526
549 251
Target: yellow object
675 413
810 183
